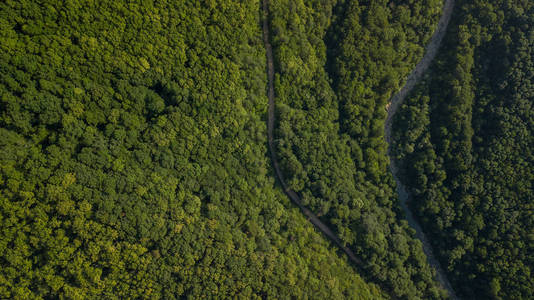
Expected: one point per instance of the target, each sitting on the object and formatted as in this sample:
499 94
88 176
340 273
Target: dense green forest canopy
133 158
134 164
466 138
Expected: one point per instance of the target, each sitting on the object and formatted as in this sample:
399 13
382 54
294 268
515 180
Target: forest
134 160
465 140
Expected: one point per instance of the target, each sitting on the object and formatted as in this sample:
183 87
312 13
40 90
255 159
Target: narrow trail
270 128
396 101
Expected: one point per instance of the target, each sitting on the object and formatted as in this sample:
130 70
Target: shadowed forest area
465 140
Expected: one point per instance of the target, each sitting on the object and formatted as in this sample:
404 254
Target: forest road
396 100
270 128
430 53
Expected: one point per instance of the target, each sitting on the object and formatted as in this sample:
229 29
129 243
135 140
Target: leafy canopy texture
466 139
134 164
133 159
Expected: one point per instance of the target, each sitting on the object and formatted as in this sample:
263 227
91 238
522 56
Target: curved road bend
396 100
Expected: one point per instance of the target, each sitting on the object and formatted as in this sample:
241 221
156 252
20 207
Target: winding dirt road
396 101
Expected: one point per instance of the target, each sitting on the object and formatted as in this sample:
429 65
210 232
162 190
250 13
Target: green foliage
465 140
133 159
337 63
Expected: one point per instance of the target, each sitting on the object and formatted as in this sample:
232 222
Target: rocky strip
395 102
